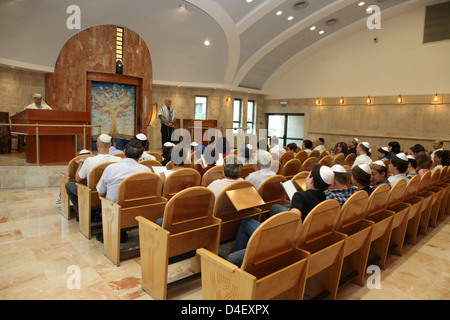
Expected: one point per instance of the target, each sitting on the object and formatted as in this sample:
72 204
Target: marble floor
41 252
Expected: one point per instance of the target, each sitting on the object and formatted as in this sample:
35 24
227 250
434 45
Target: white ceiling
249 42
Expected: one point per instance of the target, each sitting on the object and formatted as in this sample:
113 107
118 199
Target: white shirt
218 185
277 151
394 179
91 162
115 173
362 159
259 176
42 106
321 148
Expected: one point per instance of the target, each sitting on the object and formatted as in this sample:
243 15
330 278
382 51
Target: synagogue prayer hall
204 151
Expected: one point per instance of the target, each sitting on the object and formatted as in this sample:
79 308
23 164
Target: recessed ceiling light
249 0
290 18
321 32
183 6
361 3
207 43
279 12
312 28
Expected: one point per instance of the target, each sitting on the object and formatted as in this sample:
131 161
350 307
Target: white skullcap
410 156
385 149
37 95
365 168
356 139
141 136
338 168
169 144
380 163
105 138
264 157
401 156
194 144
326 174
84 151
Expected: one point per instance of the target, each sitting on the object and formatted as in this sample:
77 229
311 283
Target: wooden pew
187 225
273 267
88 198
400 219
382 228
66 177
359 237
412 188
151 163
237 201
299 180
427 203
349 159
291 168
212 174
446 185
247 168
338 159
315 154
326 161
326 247
157 155
139 195
438 193
180 180
285 157
272 192
309 164
302 155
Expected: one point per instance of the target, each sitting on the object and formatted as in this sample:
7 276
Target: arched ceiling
249 41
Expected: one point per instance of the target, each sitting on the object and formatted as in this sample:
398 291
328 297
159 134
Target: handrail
37 125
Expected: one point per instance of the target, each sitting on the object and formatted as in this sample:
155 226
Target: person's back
264 163
232 169
339 189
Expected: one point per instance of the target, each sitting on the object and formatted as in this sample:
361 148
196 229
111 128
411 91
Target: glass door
287 127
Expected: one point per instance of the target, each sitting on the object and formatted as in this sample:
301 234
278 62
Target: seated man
339 189
38 103
232 169
320 145
379 174
275 149
318 180
264 164
142 138
114 174
307 145
398 167
85 166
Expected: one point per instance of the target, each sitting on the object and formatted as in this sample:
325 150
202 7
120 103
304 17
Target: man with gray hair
38 103
264 164
232 169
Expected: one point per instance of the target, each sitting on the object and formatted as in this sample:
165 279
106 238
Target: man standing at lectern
166 116
38 103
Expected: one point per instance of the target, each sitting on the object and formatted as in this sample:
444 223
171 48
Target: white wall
354 66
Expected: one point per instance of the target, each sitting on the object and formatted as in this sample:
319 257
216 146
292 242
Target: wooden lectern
191 125
56 143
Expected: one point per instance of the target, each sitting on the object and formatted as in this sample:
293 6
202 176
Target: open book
289 188
158 170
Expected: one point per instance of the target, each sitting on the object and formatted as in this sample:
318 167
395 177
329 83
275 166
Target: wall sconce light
341 100
399 99
436 99
228 99
369 100
317 101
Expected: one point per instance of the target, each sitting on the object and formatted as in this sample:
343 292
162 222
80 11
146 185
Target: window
251 116
201 108
237 115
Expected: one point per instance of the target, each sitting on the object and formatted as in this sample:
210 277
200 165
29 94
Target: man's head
274 140
168 102
340 177
352 143
134 150
308 144
37 99
232 167
264 159
379 171
142 138
103 143
320 178
361 175
399 162
437 144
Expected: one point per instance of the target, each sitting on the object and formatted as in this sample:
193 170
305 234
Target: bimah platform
56 143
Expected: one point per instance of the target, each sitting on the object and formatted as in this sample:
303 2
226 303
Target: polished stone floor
39 251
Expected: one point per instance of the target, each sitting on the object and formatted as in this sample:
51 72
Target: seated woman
361 175
441 159
379 173
340 147
394 148
363 154
423 163
382 153
397 167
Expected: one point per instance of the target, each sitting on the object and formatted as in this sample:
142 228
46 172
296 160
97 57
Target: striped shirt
167 113
115 173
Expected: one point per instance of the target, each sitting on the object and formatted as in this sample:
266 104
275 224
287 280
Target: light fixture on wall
227 99
399 99
369 100
317 101
436 99
341 100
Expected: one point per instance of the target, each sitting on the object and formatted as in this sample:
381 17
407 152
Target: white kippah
380 163
338 168
141 136
356 139
84 151
169 144
264 157
410 156
37 95
194 144
365 167
104 138
385 149
326 174
402 156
